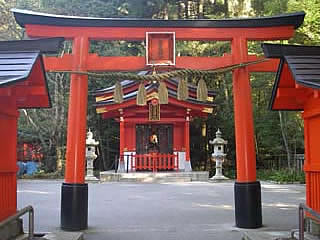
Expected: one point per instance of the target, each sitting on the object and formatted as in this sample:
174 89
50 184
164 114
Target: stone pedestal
218 155
89 175
219 175
90 156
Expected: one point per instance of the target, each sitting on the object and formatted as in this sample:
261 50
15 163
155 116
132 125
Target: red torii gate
74 198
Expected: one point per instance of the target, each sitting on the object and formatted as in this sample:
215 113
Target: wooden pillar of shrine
187 143
74 192
121 167
8 157
247 191
311 116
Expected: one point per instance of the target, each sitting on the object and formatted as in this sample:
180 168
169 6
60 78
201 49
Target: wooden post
77 114
121 137
74 196
247 190
187 137
245 148
188 167
8 158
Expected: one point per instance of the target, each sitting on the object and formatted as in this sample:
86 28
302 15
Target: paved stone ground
197 210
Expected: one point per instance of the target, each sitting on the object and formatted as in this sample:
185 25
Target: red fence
151 161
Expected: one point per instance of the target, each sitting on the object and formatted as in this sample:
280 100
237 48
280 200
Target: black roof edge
287 110
281 50
275 87
44 45
24 17
45 80
276 83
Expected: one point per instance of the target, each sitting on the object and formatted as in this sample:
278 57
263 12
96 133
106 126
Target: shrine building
153 136
296 88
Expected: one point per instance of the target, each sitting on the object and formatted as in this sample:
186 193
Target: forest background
278 135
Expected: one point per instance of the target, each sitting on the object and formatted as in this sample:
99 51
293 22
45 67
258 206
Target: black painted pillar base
74 206
247 198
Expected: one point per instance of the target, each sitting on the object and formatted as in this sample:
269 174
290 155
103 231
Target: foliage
309 32
8 28
44 175
275 134
281 176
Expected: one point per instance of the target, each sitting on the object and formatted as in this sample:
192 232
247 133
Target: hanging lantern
182 91
163 93
118 93
202 91
141 95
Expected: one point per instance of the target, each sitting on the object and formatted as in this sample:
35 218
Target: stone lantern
218 155
90 155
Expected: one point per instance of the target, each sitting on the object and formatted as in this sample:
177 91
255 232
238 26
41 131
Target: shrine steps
150 177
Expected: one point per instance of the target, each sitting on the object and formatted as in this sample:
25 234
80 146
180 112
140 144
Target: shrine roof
44 45
128 83
22 72
16 66
150 88
24 17
303 64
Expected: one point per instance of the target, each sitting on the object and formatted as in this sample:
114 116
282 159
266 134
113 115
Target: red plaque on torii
160 48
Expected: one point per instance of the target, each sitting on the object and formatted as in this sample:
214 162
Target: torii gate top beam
134 29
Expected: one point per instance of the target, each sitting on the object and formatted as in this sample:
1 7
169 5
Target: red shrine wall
130 136
311 117
178 137
8 159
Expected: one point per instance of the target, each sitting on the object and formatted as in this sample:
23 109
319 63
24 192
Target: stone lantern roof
218 140
90 141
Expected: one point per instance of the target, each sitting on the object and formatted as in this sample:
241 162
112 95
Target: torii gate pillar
247 191
74 191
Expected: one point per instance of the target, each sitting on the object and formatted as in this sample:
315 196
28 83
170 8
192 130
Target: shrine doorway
163 142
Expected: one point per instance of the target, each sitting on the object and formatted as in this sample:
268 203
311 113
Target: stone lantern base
219 178
91 179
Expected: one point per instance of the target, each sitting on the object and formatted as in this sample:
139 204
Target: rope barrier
162 76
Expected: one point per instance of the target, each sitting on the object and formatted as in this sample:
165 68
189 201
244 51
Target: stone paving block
64 236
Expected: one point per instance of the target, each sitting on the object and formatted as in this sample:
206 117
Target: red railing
152 161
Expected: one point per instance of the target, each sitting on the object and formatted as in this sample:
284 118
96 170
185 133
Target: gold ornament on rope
118 93
202 91
141 95
182 91
163 93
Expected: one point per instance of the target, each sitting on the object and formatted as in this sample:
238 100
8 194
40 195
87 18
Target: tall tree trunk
285 138
186 9
166 11
226 8
200 9
59 155
180 10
